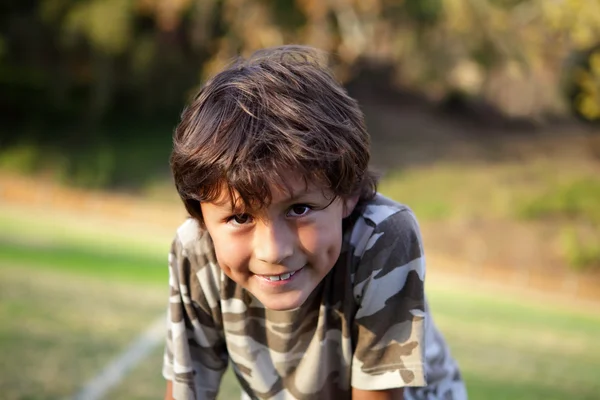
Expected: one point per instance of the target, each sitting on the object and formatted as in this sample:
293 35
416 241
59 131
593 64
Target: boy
291 266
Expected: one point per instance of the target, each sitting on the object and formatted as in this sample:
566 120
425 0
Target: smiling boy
292 267
281 252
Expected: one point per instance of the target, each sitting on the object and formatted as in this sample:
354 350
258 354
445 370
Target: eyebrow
297 196
238 205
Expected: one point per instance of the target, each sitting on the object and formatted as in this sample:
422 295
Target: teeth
283 277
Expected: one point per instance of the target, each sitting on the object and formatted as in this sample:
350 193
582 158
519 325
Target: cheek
231 253
323 239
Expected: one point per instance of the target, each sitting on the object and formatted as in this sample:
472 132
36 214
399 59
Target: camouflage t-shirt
366 325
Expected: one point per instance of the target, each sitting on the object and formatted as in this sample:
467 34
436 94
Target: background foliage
79 64
91 89
469 104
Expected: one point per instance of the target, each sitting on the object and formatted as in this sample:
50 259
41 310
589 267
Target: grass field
561 193
70 302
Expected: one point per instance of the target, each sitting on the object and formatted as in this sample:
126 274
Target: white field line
115 371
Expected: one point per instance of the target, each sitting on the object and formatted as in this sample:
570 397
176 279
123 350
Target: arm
195 352
169 392
390 394
389 322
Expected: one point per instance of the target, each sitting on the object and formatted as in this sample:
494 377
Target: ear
349 205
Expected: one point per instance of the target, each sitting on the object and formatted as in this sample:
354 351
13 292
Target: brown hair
280 110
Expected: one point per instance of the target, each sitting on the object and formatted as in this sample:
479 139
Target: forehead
292 187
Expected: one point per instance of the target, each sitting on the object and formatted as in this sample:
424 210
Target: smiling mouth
282 277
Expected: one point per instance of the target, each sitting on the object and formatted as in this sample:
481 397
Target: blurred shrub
23 158
584 85
581 250
92 169
73 65
98 55
577 204
123 154
431 199
27 158
424 12
576 199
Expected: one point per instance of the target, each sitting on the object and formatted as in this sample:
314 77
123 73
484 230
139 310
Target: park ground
511 225
83 273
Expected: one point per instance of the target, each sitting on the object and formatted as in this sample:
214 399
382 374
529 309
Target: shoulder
192 242
190 236
388 287
386 243
383 223
192 259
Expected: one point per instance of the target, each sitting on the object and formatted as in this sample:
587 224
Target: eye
240 219
299 210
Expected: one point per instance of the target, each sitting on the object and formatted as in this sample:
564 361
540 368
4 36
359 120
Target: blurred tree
82 63
584 85
107 52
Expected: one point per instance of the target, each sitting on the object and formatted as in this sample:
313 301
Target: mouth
277 278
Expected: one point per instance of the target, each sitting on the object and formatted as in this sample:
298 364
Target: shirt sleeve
195 356
389 322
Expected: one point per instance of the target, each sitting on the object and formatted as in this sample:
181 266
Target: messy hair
279 111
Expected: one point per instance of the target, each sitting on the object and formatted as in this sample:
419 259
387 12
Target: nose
273 242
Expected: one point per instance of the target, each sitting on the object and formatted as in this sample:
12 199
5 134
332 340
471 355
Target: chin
283 302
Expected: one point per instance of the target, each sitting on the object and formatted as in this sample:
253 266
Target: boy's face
282 252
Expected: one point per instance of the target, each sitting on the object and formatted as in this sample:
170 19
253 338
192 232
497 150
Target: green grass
574 199
57 329
84 245
507 347
75 290
70 302
146 382
64 228
563 193
535 189
102 264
